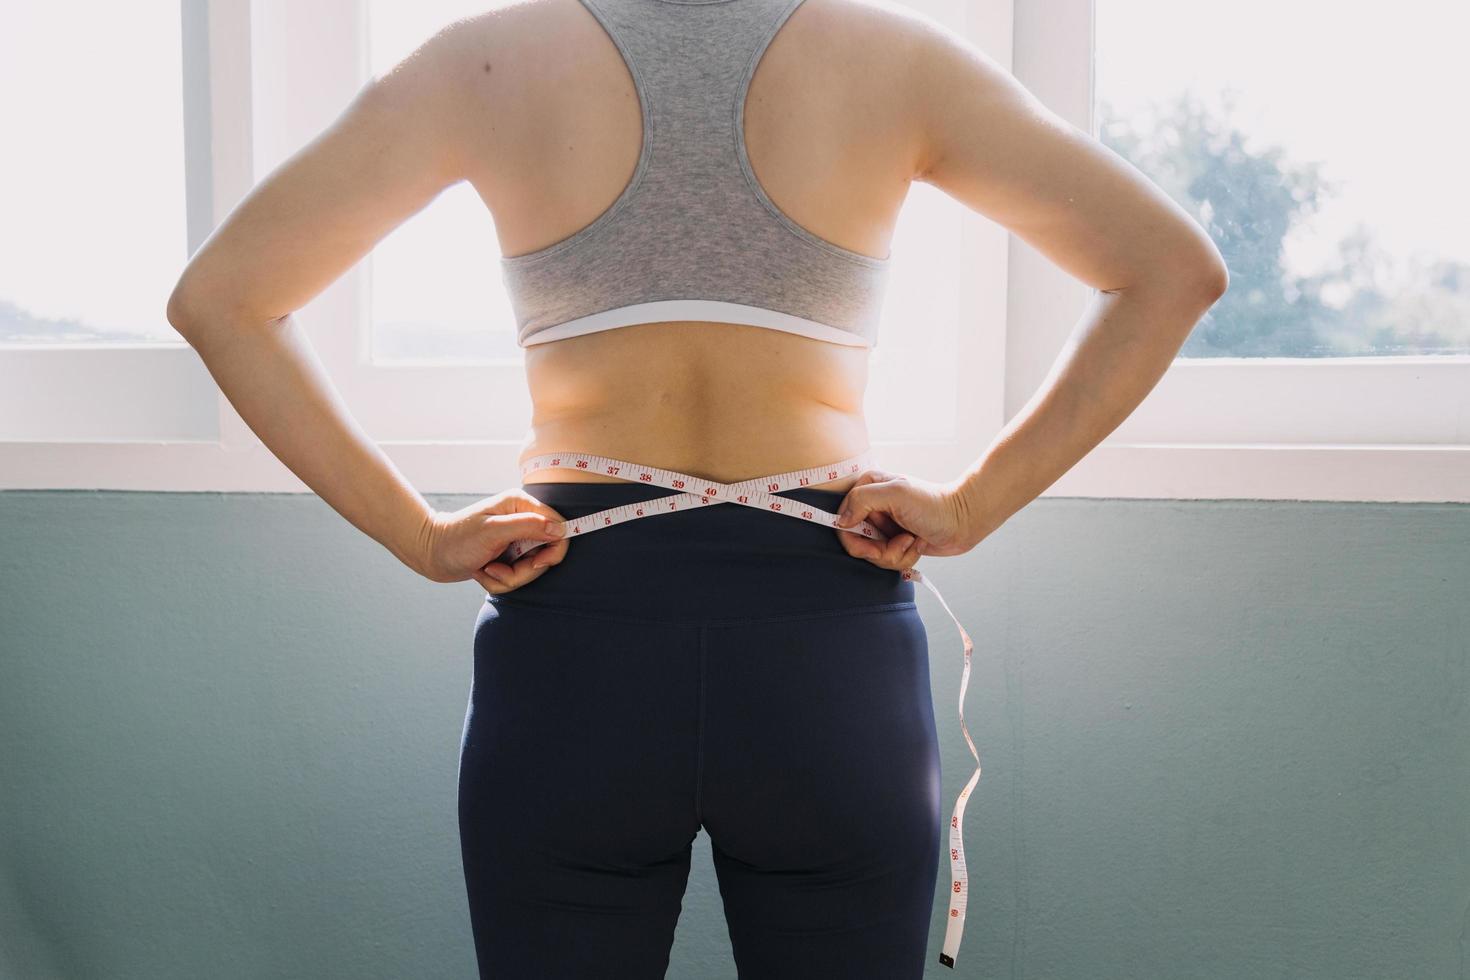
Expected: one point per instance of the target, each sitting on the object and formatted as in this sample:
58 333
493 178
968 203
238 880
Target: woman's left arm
393 149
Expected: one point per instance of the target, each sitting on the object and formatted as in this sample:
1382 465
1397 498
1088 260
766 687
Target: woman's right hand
916 516
467 543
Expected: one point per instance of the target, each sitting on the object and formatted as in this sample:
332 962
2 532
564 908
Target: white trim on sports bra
696 310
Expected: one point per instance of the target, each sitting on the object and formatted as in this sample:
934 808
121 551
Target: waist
722 400
740 448
720 561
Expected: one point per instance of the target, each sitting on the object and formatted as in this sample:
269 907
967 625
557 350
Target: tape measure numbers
760 492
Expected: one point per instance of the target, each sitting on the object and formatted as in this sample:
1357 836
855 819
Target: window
111 170
93 195
1327 191
1338 366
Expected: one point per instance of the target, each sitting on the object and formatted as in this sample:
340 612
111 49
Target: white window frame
1355 428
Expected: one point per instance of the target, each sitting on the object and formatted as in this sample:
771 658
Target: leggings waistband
719 561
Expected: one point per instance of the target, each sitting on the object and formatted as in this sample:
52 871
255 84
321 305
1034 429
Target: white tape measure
759 492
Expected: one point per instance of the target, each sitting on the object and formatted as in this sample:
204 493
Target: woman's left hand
466 543
916 516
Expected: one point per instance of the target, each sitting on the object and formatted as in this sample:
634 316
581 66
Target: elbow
1192 282
1212 276
1197 267
1202 280
182 309
202 302
1214 279
1187 271
193 308
174 312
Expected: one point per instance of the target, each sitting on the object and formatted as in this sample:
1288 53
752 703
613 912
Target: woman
695 198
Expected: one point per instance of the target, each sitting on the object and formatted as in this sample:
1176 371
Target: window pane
93 235
1317 143
436 288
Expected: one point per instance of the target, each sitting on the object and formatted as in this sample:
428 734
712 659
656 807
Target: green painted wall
1220 740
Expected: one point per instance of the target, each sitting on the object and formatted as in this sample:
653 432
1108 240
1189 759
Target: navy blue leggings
722 667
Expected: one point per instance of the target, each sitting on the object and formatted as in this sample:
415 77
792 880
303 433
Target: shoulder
477 71
877 58
886 30
891 44
514 30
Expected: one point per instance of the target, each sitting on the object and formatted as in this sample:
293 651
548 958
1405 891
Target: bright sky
1375 92
92 188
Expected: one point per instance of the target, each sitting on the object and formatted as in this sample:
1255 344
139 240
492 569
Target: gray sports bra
693 236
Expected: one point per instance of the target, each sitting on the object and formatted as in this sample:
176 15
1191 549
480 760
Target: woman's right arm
989 143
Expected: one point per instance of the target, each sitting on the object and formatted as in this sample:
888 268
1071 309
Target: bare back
835 146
